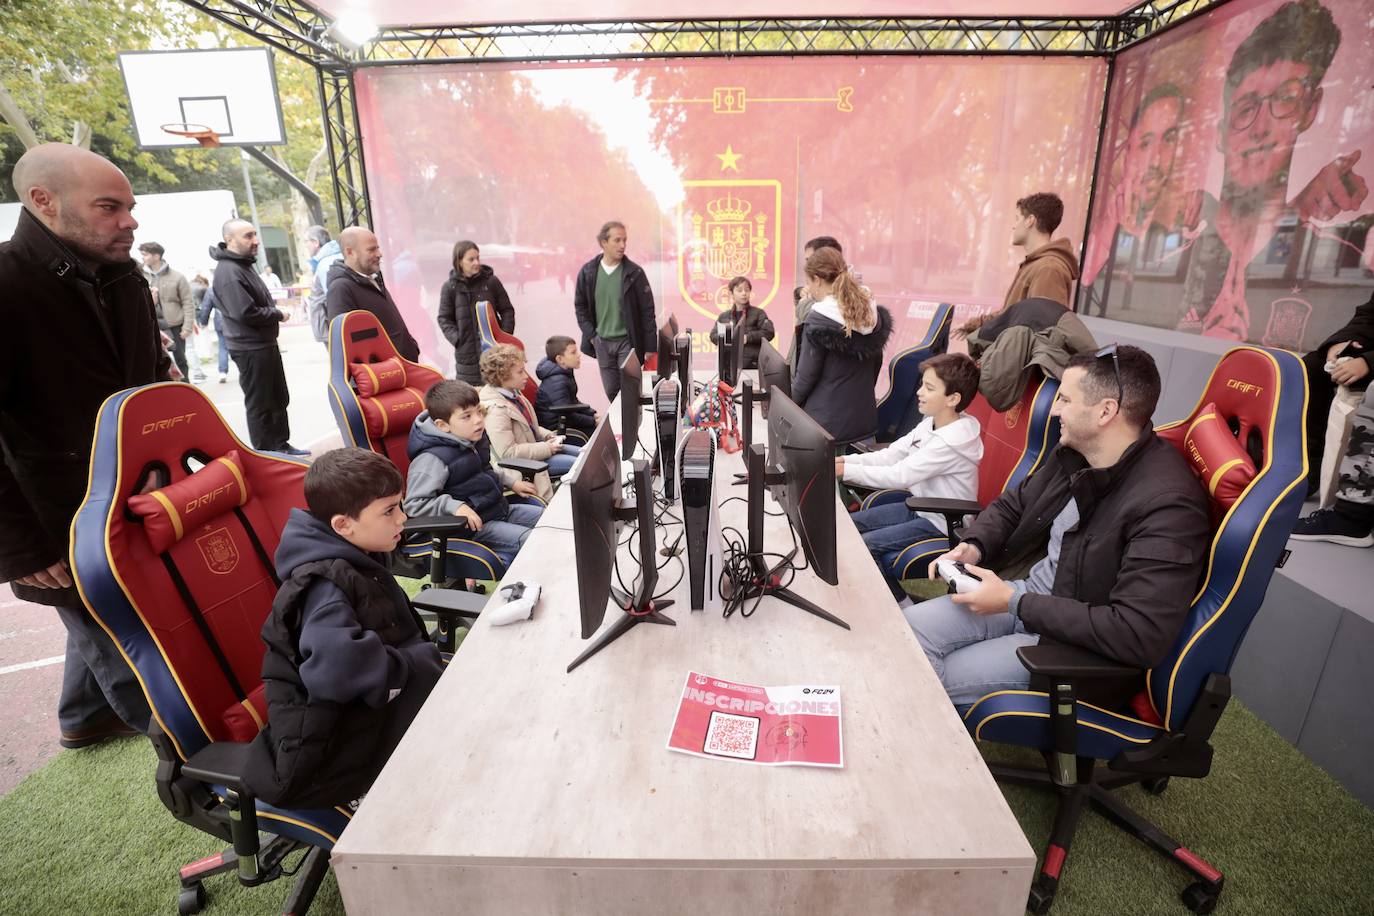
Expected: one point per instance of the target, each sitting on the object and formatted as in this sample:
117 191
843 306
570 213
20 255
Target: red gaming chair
376 396
1015 444
1245 442
172 553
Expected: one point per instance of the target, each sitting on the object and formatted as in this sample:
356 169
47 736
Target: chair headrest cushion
1219 461
172 511
371 379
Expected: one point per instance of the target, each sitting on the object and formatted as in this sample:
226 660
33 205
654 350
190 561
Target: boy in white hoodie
939 458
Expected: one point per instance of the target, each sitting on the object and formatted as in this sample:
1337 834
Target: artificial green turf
86 833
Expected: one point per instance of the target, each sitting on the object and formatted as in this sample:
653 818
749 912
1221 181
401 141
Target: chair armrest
575 407
451 525
956 507
449 602
220 762
525 467
859 448
1071 662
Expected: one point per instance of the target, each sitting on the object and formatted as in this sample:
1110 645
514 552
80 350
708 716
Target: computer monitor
806 453
631 395
684 368
596 506
667 348
730 350
774 373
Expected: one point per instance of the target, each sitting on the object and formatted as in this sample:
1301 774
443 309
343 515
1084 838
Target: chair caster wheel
191 899
1040 900
1200 898
1156 786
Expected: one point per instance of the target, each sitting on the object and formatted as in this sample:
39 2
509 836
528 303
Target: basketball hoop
200 133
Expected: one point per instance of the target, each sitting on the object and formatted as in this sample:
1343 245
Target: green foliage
59 64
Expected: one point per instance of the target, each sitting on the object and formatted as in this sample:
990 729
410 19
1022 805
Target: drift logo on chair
160 425
1203 470
219 551
404 405
1244 387
202 501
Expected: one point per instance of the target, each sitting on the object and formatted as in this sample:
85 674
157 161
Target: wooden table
524 789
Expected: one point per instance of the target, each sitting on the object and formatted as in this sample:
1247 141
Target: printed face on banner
1253 224
721 169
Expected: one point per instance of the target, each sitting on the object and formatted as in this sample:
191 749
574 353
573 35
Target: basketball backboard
231 91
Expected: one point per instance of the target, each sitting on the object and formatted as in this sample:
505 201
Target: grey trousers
96 680
610 353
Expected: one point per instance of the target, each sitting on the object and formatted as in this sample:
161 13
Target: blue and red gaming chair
1015 444
376 396
897 412
172 554
1245 441
491 334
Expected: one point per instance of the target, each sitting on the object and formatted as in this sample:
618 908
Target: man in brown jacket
1050 267
1103 547
176 307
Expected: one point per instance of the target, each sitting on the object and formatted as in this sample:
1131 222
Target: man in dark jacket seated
1101 549
355 282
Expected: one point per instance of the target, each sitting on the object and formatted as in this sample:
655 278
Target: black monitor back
667 347
595 485
774 373
806 453
631 390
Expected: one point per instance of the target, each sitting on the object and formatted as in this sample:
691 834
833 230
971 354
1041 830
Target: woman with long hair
470 282
841 351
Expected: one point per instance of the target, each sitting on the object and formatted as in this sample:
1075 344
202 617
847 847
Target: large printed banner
722 169
1233 196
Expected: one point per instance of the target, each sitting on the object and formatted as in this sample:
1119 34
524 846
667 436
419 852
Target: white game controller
957 575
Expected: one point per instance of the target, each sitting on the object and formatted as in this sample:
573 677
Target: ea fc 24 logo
728 229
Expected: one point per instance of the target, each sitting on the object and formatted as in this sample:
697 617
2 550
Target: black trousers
1321 391
265 396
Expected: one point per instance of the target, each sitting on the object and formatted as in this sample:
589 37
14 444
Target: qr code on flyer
732 736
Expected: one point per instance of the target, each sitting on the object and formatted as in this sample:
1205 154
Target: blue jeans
96 680
562 462
220 345
506 536
888 530
973 654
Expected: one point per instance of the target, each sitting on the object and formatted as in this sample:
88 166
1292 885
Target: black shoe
1330 525
290 449
113 727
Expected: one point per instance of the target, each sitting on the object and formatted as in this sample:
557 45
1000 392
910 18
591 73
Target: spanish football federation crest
218 549
729 228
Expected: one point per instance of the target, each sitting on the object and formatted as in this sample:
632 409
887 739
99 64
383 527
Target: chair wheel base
1156 786
191 899
1040 900
1200 898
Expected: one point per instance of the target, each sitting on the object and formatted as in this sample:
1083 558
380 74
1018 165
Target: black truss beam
288 25
343 140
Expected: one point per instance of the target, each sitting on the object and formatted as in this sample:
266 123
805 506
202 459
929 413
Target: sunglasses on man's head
1110 350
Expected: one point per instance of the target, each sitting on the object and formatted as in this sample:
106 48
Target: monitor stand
765 581
640 607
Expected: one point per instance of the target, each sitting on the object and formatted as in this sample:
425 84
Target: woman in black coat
841 351
470 282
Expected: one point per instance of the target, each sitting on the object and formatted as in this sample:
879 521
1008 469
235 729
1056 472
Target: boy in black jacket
348 665
558 386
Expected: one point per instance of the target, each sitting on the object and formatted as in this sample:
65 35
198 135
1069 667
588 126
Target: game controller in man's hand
958 576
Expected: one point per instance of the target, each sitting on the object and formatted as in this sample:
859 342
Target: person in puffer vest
348 662
451 471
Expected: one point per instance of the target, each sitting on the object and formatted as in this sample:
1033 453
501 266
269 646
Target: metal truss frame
297 28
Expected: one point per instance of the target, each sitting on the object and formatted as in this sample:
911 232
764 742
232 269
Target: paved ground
33 641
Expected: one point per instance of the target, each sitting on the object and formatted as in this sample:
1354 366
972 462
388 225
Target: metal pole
253 209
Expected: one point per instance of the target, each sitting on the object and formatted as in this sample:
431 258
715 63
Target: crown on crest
729 209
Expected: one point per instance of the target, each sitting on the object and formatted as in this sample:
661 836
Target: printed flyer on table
797 725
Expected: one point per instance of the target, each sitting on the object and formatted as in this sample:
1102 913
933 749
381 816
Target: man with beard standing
80 324
251 324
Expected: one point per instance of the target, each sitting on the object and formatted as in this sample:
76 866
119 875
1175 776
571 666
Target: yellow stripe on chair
171 512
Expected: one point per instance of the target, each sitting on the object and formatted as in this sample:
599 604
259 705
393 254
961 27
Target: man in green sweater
614 307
